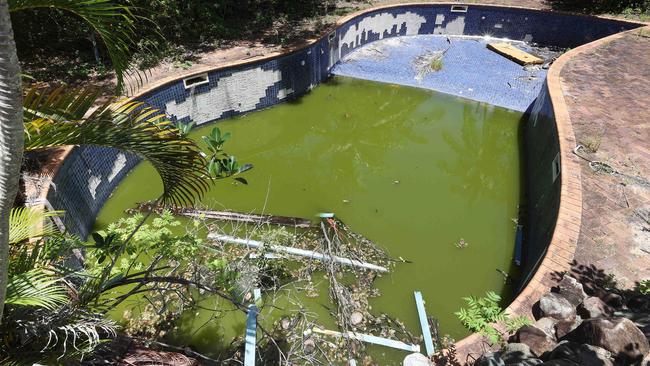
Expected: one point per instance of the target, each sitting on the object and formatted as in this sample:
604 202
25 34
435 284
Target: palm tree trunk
11 137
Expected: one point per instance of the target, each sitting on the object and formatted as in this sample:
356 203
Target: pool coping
560 251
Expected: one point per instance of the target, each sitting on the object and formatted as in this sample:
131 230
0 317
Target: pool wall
89 175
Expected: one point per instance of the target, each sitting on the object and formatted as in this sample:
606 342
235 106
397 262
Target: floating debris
296 251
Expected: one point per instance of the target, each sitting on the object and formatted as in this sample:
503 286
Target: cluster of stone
575 329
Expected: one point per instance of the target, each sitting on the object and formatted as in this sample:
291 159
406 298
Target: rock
356 318
572 290
537 339
527 362
285 323
617 335
594 307
559 362
519 354
490 359
610 298
563 328
547 325
556 306
309 346
416 359
639 303
646 361
592 355
564 350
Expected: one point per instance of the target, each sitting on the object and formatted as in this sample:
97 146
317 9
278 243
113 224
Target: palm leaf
56 117
29 222
114 23
35 288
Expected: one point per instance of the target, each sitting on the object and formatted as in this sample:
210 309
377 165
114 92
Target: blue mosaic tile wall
89 174
541 149
85 181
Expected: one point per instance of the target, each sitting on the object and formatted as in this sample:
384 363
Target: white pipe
369 339
296 251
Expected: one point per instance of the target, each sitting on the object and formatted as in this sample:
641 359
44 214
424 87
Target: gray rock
565 351
596 356
563 328
594 307
519 354
617 335
612 299
639 303
559 362
527 362
572 290
557 306
547 325
537 339
490 359
646 361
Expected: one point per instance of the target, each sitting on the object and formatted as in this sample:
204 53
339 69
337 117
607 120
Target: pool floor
469 68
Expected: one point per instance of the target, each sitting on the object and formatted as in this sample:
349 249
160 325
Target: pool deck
607 91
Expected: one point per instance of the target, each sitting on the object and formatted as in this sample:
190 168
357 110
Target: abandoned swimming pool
90 174
418 172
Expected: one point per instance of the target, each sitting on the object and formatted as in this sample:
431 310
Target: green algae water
415 171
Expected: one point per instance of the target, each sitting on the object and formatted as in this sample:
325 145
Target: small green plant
644 287
436 64
220 164
184 128
483 313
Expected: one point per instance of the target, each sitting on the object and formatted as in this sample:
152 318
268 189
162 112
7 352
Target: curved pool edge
561 249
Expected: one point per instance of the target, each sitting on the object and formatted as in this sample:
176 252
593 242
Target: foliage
115 25
644 287
171 29
63 116
27 222
483 313
184 128
40 318
220 164
623 7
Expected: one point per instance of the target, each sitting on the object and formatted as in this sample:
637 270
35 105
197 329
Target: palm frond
55 118
29 222
114 23
35 288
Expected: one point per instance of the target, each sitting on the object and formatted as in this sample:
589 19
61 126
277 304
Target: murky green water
413 170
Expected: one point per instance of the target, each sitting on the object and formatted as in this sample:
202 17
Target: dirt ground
248 49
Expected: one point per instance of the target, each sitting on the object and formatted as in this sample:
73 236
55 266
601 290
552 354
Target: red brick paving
607 91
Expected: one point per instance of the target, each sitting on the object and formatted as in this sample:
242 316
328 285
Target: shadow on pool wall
89 174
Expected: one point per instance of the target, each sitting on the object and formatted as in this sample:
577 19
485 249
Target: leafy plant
483 313
115 24
184 128
220 164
